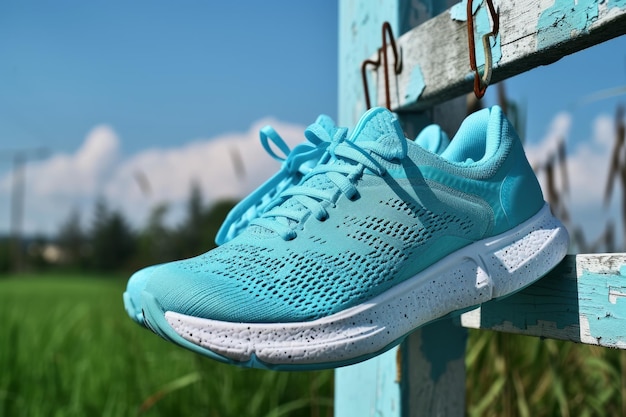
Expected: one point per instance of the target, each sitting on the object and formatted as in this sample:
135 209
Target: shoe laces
296 163
338 170
296 160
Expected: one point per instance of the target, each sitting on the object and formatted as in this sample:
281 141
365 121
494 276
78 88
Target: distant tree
155 241
35 253
72 240
196 234
189 236
112 240
214 218
5 258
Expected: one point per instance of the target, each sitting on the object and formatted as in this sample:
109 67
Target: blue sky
167 89
161 72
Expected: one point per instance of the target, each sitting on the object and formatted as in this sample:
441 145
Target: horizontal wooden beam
435 57
582 300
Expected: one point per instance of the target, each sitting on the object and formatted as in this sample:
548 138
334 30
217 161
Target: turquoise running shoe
295 165
379 239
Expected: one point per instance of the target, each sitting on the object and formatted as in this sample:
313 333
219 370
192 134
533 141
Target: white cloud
588 165
80 173
170 172
587 168
559 129
135 184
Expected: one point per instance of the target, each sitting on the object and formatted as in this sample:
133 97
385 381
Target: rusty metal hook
481 83
382 58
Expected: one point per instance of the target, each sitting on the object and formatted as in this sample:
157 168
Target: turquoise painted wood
370 388
360 23
417 377
432 368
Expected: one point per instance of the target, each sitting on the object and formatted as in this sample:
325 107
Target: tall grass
514 375
68 349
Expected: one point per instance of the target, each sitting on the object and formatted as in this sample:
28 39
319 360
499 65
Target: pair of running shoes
357 241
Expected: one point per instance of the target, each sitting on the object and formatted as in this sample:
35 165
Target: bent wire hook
382 52
481 83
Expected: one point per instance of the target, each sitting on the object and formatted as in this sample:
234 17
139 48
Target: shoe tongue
381 125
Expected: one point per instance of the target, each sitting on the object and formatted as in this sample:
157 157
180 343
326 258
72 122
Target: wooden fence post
426 374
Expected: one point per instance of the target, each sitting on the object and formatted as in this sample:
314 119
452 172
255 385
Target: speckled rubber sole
485 270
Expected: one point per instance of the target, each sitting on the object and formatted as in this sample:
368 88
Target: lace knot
336 174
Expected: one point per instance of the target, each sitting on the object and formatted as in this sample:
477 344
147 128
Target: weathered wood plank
433 371
582 300
532 33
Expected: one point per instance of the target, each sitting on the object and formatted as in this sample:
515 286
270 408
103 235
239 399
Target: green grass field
67 348
513 375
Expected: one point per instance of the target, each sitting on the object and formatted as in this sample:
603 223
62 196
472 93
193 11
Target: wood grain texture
532 33
433 371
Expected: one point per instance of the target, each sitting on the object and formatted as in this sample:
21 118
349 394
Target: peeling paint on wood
565 18
360 35
582 300
532 33
434 382
416 85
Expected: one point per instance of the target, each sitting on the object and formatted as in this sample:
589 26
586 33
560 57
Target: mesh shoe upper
377 210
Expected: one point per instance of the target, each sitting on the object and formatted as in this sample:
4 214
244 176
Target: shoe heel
525 254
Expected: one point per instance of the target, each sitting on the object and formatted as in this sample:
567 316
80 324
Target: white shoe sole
487 269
